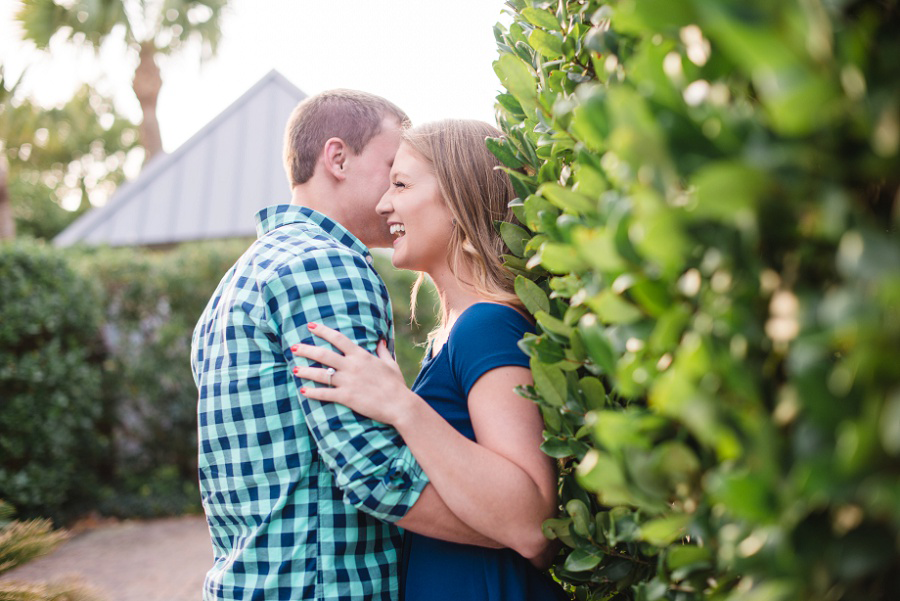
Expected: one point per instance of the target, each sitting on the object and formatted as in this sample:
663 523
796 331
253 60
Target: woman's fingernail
302 391
296 370
312 326
295 348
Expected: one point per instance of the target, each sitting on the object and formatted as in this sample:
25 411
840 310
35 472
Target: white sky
431 58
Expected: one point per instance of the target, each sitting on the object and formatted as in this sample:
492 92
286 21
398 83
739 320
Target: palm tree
149 27
75 151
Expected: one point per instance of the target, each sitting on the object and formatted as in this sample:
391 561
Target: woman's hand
370 385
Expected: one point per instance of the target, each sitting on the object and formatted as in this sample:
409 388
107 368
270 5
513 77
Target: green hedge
151 301
98 404
711 191
53 440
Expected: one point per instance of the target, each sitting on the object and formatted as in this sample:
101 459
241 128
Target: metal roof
210 187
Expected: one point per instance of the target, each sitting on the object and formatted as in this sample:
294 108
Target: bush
21 542
711 192
151 301
52 439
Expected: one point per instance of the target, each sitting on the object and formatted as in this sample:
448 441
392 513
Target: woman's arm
503 486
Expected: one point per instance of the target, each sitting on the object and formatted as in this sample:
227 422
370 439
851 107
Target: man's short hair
353 116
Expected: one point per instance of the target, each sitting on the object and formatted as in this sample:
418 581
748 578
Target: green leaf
664 531
546 43
590 121
552 324
582 560
500 149
531 295
598 247
600 473
558 258
744 494
581 517
559 528
598 346
548 351
509 103
515 237
540 212
557 448
728 191
612 308
518 78
550 382
593 391
541 18
566 199
687 555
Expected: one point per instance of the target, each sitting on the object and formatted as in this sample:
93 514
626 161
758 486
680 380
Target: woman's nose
384 205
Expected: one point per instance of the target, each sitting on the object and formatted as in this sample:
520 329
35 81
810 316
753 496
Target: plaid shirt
299 495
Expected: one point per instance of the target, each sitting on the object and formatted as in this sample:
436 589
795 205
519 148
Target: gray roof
211 187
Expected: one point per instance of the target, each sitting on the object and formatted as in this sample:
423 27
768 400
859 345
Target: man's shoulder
295 251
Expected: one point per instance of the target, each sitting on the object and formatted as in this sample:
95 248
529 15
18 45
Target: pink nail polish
312 326
296 370
302 391
295 348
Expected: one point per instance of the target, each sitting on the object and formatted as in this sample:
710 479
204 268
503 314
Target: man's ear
334 155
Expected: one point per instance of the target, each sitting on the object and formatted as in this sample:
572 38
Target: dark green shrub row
712 256
151 301
53 440
99 405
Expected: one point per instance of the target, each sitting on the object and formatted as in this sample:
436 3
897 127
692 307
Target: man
303 498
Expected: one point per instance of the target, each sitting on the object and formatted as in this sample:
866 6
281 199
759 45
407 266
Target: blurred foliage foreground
21 542
710 190
98 407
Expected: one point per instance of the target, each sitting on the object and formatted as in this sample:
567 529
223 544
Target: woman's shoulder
484 322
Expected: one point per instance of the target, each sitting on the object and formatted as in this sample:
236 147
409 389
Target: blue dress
484 337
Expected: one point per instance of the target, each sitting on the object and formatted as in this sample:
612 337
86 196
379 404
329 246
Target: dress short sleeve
486 336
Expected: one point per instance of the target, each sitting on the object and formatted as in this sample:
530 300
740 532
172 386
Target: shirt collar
277 216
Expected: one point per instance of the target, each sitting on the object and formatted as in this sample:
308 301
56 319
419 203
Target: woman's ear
334 155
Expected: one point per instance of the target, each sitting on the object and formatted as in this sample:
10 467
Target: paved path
156 560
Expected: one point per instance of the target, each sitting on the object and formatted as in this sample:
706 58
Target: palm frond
57 591
23 541
42 20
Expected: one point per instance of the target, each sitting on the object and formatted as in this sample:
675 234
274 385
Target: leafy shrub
51 438
151 301
21 542
711 192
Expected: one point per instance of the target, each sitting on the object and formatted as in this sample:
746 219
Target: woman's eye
399 185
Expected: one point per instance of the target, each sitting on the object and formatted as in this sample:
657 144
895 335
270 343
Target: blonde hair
477 193
353 116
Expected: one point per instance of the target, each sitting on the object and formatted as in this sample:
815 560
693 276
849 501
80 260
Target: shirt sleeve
372 466
486 336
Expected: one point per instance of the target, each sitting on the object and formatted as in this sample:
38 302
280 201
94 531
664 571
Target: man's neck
311 195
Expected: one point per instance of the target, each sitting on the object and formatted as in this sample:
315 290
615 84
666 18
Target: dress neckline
430 355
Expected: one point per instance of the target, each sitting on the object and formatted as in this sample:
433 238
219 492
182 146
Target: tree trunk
146 84
7 221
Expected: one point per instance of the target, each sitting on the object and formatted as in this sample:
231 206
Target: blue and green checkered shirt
300 495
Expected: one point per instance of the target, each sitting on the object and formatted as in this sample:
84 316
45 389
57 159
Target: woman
445 195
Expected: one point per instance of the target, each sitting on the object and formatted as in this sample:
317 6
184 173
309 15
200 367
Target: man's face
369 177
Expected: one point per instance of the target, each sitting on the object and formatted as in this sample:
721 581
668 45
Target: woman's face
419 220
